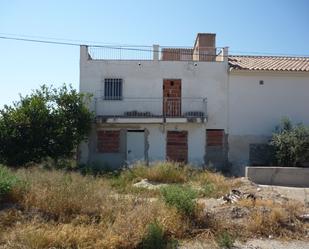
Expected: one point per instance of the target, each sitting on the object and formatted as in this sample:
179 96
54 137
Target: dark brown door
172 98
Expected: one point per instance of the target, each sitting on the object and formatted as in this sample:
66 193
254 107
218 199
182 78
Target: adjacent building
195 105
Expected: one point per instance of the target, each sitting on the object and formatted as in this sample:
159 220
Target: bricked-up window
108 141
113 89
177 146
215 137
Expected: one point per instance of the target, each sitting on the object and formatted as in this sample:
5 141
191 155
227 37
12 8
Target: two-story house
196 105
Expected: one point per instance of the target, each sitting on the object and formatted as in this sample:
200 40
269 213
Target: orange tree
50 122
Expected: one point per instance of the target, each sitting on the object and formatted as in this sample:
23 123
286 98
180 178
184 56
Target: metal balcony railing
151 107
156 53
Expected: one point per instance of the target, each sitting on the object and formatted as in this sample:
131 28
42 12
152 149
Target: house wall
156 138
144 79
255 110
236 102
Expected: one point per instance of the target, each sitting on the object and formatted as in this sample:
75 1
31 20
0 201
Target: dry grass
46 235
163 172
160 172
214 184
279 220
208 184
68 210
63 195
125 230
259 218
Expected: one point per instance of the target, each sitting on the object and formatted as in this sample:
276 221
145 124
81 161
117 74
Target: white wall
237 102
156 139
157 143
196 141
145 79
255 110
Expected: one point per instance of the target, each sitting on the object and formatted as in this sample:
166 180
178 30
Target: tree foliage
50 122
291 143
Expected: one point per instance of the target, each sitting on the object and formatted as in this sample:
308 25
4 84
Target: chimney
205 47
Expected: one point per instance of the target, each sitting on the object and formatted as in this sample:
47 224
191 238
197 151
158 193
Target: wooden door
172 98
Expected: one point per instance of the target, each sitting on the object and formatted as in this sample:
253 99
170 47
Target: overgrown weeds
68 210
225 240
62 195
183 198
214 184
207 184
9 183
155 238
276 220
58 209
163 172
125 227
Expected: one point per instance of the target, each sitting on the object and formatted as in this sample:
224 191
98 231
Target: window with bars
113 89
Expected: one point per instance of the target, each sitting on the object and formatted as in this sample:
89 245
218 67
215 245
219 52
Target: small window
113 89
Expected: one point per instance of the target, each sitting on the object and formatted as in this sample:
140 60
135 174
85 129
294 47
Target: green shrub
291 143
7 181
155 238
183 198
225 240
207 190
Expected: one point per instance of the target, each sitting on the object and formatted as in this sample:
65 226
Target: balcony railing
152 107
156 53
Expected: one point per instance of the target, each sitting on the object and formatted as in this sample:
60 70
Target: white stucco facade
245 104
256 108
203 88
144 80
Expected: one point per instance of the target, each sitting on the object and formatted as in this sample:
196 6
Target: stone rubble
144 183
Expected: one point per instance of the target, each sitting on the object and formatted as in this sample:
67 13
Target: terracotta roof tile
269 63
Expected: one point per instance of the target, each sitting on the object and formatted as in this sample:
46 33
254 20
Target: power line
72 40
126 47
39 41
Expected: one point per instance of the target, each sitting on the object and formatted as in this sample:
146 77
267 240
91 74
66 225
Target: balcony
151 110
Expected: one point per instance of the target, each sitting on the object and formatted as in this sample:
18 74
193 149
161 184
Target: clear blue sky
260 26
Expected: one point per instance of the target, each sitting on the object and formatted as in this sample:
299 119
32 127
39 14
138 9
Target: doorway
135 146
172 98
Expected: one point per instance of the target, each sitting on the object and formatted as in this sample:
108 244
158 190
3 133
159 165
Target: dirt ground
278 194
298 194
252 244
